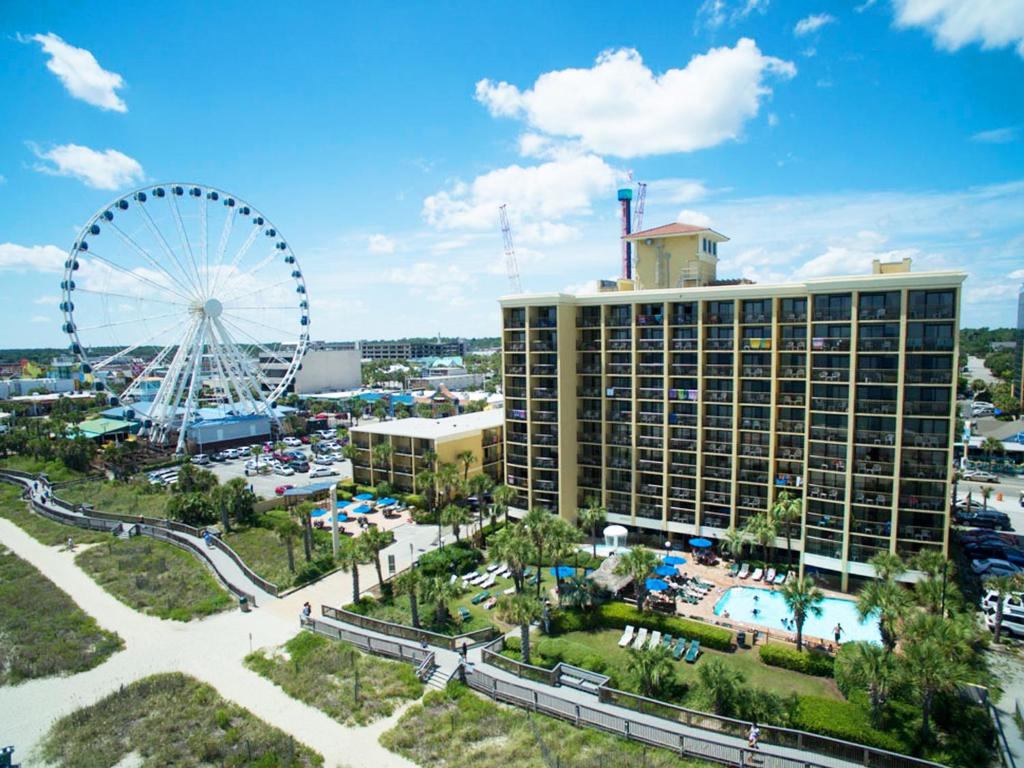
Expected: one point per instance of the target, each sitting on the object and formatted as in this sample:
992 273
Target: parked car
979 476
218 456
299 466
973 504
994 567
323 472
991 519
292 441
284 469
201 459
304 439
327 434
323 461
1013 622
282 488
991 597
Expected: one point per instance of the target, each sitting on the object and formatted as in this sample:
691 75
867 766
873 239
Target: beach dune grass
42 631
322 673
170 719
455 728
155 578
117 497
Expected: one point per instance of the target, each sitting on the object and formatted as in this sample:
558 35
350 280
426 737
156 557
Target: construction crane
511 265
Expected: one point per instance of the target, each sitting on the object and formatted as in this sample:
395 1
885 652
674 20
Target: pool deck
719 576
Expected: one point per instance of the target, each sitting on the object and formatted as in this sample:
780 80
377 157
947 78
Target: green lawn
264 551
605 643
322 673
118 497
55 470
42 528
457 729
43 631
397 610
170 719
155 577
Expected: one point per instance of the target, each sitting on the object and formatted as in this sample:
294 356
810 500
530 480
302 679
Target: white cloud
1017 274
441 283
31 258
41 319
997 135
956 23
696 218
381 244
620 107
676 190
81 74
106 169
773 120
547 192
714 13
813 23
48 299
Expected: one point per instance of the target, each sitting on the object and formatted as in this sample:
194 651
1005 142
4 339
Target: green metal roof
103 427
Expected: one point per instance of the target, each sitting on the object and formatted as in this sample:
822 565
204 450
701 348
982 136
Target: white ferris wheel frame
207 335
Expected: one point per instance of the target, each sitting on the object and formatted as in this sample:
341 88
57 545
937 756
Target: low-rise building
325 368
410 440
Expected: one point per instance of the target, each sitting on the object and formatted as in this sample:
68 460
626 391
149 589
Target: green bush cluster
842 720
366 489
809 662
618 615
415 500
550 651
314 569
456 558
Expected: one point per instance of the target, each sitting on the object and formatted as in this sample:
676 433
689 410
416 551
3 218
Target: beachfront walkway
211 650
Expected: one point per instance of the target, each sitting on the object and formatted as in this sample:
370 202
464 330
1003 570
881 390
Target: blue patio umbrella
362 509
386 502
666 570
673 560
562 571
701 543
318 512
364 497
656 585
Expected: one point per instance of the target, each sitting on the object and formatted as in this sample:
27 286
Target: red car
304 439
282 488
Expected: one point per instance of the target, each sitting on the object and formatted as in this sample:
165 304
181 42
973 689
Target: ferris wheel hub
212 308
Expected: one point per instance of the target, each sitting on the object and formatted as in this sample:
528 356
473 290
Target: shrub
808 662
366 489
457 558
618 615
842 720
344 495
555 650
313 570
415 500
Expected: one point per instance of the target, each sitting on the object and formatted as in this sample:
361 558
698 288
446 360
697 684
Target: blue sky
381 139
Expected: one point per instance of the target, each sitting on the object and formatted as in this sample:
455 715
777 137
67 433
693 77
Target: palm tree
408 583
467 457
512 546
933 661
651 667
479 485
350 452
537 524
722 685
582 593
590 517
868 667
733 542
787 511
302 516
440 591
762 529
350 556
889 602
986 494
888 566
523 610
803 598
430 459
448 478
373 541
426 483
637 563
381 456
503 496
456 517
562 539
993 447
937 581
1003 586
288 529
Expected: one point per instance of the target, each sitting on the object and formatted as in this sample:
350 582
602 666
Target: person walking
71 544
837 632
753 737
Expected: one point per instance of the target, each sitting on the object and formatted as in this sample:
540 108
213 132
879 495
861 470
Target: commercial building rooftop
437 429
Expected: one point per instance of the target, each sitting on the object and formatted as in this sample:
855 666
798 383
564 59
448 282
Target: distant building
407 350
448 372
20 387
409 439
1018 367
325 368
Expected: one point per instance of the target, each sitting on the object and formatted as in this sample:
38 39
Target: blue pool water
740 602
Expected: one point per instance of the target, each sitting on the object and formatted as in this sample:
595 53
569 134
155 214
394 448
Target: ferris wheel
191 296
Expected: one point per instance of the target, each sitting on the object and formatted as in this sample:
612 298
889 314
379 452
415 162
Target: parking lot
264 485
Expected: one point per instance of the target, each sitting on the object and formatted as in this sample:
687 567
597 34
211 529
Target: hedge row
549 651
843 720
808 662
618 615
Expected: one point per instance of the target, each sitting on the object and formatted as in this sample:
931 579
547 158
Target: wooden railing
452 643
255 578
390 648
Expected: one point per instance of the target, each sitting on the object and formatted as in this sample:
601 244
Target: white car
323 472
994 567
324 461
327 434
282 469
292 441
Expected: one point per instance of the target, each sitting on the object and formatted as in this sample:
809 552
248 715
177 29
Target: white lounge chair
492 567
641 638
757 574
510 590
770 576
744 571
791 576
453 579
627 636
655 640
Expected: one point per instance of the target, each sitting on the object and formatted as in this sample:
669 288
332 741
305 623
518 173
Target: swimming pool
741 602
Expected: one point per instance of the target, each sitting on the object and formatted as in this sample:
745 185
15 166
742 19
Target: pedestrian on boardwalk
753 736
71 544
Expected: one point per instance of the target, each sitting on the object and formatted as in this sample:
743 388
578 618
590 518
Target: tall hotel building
686 404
